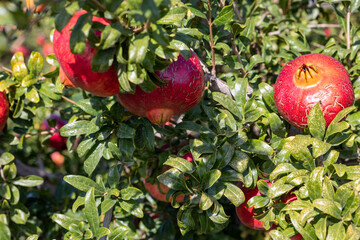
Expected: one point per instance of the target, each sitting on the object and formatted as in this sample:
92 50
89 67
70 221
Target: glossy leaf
316 122
91 210
210 178
84 184
234 194
29 181
329 207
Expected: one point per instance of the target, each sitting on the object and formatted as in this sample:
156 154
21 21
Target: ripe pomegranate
183 91
57 158
297 237
289 197
65 80
160 194
4 110
245 214
310 79
78 66
24 50
56 141
47 49
40 40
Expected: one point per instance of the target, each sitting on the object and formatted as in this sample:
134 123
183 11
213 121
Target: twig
262 17
236 10
25 170
277 32
323 25
98 5
6 69
45 132
107 220
2 174
69 100
213 71
348 15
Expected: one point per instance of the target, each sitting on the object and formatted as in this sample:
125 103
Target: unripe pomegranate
245 214
183 91
78 66
4 110
65 80
160 194
310 79
56 141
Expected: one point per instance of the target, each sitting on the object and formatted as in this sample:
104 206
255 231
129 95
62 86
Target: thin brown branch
98 5
45 132
212 45
262 17
68 99
236 10
6 69
348 15
323 25
107 220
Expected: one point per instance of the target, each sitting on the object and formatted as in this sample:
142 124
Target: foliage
237 137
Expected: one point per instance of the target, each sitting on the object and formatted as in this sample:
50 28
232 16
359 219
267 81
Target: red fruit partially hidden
245 214
48 49
183 91
310 79
289 197
297 237
4 110
65 80
24 50
56 141
78 66
57 158
158 190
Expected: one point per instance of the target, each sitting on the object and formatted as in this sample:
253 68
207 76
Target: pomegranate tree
78 66
4 110
308 80
183 90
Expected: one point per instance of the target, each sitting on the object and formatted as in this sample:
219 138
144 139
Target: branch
213 71
322 25
98 5
348 15
107 220
69 100
236 10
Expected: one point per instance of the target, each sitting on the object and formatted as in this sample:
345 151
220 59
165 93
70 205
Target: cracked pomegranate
183 90
78 66
310 79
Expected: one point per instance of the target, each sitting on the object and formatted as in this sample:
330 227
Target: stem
98 5
348 42
213 71
107 220
2 174
236 10
322 25
41 133
69 100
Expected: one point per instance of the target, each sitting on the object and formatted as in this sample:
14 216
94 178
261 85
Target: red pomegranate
183 91
56 141
4 110
310 79
78 66
158 190
245 214
47 49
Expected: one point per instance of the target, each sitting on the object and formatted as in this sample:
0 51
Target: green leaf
205 202
173 179
33 95
94 158
314 185
341 115
107 204
329 207
119 233
130 193
279 188
110 35
181 164
6 158
355 5
254 114
64 221
5 233
196 12
316 122
144 136
228 103
258 147
336 231
308 233
328 189
35 63
239 162
33 237
174 16
5 191
320 147
234 194
19 70
91 106
132 207
282 168
75 128
103 60
238 89
80 33
320 228
276 125
138 48
210 178
29 181
65 15
84 184
225 16
91 211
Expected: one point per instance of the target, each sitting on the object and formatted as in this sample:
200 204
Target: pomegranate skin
4 110
154 190
183 91
310 79
56 141
65 80
78 66
246 215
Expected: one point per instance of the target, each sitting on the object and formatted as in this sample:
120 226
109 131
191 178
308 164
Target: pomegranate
57 158
47 49
78 66
183 90
297 237
56 141
310 79
65 80
289 197
24 50
158 190
245 214
4 110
